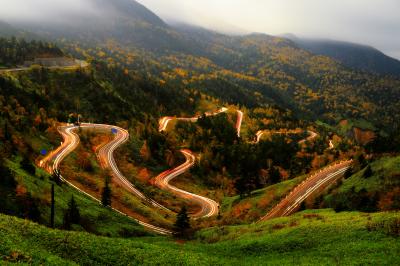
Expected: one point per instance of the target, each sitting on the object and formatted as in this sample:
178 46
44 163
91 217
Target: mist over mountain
130 139
6 30
260 68
362 57
97 20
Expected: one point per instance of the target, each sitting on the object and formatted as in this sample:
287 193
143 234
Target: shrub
72 214
390 227
106 193
27 165
182 224
367 172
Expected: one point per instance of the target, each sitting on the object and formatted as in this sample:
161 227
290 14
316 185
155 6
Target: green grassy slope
238 210
312 237
385 173
95 218
377 191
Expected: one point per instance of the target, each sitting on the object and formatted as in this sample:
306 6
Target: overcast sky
372 22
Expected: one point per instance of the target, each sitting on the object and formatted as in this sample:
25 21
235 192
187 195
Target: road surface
311 134
71 142
239 120
106 158
208 206
81 64
331 146
163 123
310 186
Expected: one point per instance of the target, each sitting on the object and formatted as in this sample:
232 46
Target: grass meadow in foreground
308 238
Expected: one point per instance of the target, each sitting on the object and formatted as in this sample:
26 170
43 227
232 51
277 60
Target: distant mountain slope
7 30
353 55
250 70
124 21
131 9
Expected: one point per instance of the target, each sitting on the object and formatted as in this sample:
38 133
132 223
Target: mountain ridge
353 55
260 68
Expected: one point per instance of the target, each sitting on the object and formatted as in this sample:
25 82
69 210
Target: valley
127 140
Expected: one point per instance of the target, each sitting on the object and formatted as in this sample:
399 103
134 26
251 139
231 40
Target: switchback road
71 142
311 134
208 206
163 123
79 64
308 187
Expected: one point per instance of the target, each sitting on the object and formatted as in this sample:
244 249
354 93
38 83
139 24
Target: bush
390 227
27 165
182 224
72 214
348 173
106 194
351 200
367 172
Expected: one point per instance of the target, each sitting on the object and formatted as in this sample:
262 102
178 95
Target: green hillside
94 217
375 187
249 70
319 237
313 110
353 55
35 101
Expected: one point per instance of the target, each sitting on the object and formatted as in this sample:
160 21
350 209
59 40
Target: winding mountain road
239 120
163 123
310 186
287 206
79 64
208 206
311 134
105 155
71 142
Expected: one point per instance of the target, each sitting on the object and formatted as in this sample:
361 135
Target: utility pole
52 207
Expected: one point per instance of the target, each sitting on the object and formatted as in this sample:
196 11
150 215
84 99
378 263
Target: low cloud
371 22
43 10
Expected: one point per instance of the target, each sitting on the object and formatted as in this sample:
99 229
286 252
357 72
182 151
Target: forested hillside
15 51
35 101
194 135
250 70
362 57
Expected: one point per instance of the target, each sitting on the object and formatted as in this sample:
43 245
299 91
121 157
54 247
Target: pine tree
274 175
71 215
52 207
367 172
33 212
74 211
361 161
7 134
56 177
348 173
27 165
106 194
182 223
